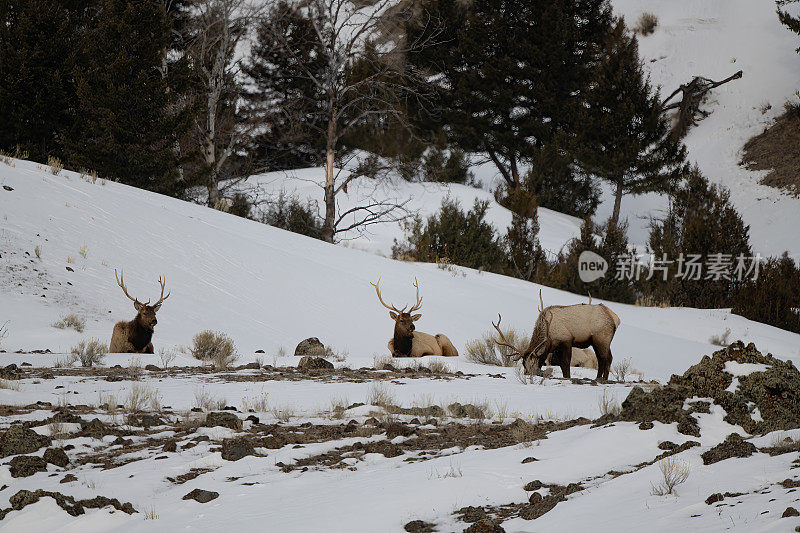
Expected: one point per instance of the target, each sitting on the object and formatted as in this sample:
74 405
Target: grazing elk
560 328
407 342
135 336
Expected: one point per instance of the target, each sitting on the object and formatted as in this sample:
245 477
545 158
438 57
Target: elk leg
565 355
148 348
603 355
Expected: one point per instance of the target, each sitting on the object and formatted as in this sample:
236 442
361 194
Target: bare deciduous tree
362 77
218 28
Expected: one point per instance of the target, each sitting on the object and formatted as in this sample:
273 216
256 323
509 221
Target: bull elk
407 342
135 336
560 328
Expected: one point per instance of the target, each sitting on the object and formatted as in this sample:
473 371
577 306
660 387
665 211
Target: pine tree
124 127
283 98
39 44
627 142
512 74
556 183
701 221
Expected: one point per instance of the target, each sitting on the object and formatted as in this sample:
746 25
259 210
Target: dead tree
218 27
363 78
688 107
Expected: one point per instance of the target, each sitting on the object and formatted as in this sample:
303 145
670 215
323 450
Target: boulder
27 465
310 346
236 448
314 363
201 496
223 419
18 439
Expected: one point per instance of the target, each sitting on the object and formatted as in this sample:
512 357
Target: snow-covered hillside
712 39
268 288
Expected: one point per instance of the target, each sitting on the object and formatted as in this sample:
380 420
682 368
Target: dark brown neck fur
402 341
141 334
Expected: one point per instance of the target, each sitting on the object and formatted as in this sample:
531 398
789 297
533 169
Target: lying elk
407 342
134 336
559 328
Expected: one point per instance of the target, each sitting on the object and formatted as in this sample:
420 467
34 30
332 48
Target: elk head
146 313
533 357
404 320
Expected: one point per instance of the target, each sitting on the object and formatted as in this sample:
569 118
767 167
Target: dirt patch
774 394
777 150
526 511
426 443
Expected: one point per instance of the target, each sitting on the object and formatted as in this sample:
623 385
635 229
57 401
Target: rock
201 496
56 456
397 429
145 420
790 511
471 514
314 363
27 465
259 351
533 485
249 366
9 188
152 368
667 445
10 372
170 446
714 498
487 525
68 478
529 460
733 446
535 498
18 439
775 392
236 448
254 419
384 447
419 526
68 503
223 419
646 425
371 421
310 346
95 428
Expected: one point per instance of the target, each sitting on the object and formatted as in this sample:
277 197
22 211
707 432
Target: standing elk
407 342
559 328
135 336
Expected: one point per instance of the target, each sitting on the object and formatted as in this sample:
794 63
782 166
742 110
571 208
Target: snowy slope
268 288
714 39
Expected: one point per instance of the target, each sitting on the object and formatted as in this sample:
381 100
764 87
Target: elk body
560 328
135 336
407 342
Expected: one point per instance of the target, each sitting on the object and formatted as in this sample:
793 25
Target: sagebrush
213 347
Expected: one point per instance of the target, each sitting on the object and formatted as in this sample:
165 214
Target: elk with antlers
135 336
559 328
407 342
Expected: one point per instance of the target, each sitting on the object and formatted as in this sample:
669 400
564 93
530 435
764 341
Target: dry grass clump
205 401
215 348
90 352
485 350
340 356
437 366
608 404
382 362
55 165
166 356
142 396
9 385
3 331
70 360
646 24
71 321
380 394
258 404
721 339
135 369
37 250
339 405
284 413
621 369
674 471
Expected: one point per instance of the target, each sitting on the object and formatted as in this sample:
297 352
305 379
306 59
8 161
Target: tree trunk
617 202
330 192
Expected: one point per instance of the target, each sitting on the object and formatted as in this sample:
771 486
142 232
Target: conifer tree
627 142
124 127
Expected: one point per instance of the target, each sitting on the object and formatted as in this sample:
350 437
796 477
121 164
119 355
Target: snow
269 289
738 369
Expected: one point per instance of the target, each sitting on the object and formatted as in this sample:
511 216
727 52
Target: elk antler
417 305
503 341
590 298
162 281
541 303
378 291
121 283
